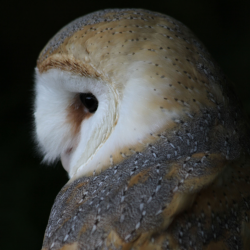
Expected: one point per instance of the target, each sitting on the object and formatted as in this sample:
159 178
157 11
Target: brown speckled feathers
188 186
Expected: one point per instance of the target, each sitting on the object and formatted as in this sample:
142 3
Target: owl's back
186 184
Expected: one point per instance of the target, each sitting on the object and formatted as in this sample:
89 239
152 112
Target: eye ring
89 101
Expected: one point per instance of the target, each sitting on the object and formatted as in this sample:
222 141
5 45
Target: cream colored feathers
147 126
137 71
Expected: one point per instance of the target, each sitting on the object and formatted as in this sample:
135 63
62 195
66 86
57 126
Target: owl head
112 83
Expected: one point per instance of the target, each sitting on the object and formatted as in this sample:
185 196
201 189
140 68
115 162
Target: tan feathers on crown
163 162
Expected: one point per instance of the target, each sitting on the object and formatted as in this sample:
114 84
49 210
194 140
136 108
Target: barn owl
151 134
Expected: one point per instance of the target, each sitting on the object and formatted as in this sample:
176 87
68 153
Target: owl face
70 112
82 119
132 97
108 86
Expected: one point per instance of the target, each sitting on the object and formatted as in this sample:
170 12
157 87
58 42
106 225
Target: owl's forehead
112 25
117 45
122 36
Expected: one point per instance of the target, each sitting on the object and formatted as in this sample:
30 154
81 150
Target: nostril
68 151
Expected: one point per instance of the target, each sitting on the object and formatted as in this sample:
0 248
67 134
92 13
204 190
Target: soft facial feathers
153 68
168 136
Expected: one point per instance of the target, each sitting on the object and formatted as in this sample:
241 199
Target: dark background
28 188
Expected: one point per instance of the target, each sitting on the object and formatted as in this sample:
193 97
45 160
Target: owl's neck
150 187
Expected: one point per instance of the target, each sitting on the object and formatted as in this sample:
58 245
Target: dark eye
89 101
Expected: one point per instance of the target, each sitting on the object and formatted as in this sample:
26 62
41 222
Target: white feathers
121 120
52 130
55 92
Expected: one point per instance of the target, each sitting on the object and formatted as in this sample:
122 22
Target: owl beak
65 158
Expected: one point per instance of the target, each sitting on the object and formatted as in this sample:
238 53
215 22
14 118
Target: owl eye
89 101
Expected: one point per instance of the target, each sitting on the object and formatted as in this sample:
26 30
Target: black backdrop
29 188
